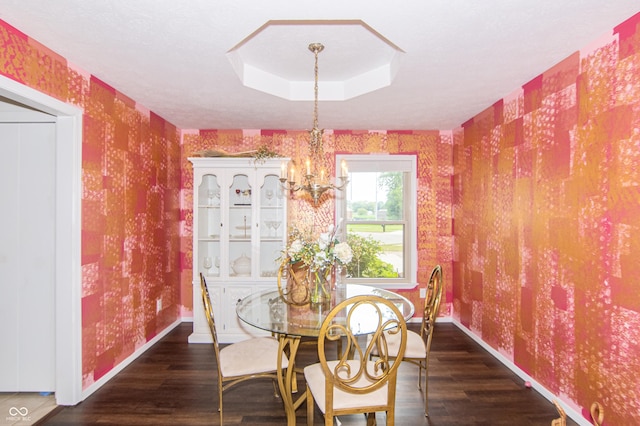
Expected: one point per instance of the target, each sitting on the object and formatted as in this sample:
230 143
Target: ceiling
417 64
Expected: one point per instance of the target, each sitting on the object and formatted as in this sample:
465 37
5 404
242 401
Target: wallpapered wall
130 205
546 199
544 185
433 152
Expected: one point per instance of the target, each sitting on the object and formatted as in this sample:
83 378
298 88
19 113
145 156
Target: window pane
375 196
378 250
375 227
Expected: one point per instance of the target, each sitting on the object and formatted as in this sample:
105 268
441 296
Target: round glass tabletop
267 311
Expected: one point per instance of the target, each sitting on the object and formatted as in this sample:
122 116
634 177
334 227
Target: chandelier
314 179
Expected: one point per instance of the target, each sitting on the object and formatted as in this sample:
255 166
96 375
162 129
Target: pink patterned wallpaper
130 205
546 192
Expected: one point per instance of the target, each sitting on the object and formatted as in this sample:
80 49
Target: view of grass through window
375 224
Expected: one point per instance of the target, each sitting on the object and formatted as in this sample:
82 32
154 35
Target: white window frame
386 163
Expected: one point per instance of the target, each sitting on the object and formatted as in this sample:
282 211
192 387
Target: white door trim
68 275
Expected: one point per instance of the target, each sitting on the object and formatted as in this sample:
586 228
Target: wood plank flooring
174 383
25 408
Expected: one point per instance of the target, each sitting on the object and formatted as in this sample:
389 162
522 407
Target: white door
27 256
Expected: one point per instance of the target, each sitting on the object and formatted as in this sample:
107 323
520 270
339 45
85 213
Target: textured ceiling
186 60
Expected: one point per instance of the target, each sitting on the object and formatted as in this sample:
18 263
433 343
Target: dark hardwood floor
174 383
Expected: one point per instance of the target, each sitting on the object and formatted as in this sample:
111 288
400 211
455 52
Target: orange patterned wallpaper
130 205
433 150
546 193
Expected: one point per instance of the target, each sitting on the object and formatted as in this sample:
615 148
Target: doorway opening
67 244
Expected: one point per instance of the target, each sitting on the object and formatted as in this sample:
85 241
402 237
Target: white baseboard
200 338
118 368
439 319
570 411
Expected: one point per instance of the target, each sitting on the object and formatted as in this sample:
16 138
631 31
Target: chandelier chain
315 143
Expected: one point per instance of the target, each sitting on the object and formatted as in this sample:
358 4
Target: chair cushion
341 399
252 356
415 345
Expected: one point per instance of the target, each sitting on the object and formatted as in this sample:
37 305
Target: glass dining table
268 311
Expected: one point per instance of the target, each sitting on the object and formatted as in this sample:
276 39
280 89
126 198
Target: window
378 212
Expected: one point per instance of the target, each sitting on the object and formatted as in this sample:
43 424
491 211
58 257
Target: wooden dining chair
355 384
254 358
419 344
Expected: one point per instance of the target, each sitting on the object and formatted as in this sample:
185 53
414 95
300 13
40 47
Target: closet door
27 268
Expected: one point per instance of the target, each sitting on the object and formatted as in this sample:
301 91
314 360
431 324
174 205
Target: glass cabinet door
272 218
240 227
209 226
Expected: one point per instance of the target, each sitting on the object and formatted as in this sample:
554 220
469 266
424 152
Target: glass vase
320 281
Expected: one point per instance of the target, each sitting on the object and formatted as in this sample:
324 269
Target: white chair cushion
341 399
252 356
415 345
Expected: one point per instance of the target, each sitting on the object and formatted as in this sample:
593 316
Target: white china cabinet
239 231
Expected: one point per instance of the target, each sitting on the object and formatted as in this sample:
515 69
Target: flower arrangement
317 259
259 155
317 254
263 152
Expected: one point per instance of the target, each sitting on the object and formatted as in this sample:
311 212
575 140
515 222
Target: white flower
323 241
343 252
320 258
295 248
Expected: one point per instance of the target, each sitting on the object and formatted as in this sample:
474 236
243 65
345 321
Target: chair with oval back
357 384
415 353
419 344
254 358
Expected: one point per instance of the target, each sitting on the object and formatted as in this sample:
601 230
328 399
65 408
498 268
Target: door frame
68 272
